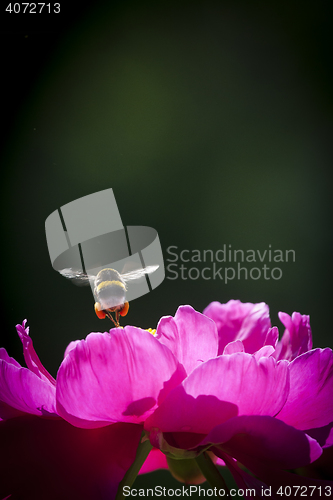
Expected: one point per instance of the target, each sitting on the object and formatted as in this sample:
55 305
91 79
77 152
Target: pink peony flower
42 455
218 383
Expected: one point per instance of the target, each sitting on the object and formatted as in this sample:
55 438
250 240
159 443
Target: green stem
142 453
210 472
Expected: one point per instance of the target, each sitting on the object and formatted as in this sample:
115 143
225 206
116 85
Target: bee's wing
139 273
79 278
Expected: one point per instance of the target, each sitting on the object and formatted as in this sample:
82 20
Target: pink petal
264 352
22 390
47 459
310 400
71 346
190 336
297 337
266 439
30 355
155 460
272 336
4 355
324 435
233 347
220 462
240 321
220 389
115 377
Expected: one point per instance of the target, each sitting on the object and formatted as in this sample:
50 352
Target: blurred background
212 123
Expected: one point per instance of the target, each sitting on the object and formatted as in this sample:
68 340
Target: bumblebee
109 289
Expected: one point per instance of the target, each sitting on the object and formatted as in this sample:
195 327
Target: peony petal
261 437
272 336
220 462
233 347
310 400
324 435
190 336
155 460
297 338
240 321
221 388
71 346
30 355
181 412
264 352
115 377
50 459
22 390
4 355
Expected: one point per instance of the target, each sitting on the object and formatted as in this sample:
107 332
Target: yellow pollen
152 331
108 283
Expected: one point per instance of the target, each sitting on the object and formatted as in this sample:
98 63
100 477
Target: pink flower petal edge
236 320
297 337
24 391
155 460
310 402
190 336
106 378
30 355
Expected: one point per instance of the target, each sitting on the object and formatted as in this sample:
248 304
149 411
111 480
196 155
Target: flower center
152 331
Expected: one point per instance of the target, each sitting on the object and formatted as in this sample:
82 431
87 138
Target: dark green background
211 121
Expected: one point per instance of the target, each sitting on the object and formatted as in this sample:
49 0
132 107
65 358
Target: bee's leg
109 315
117 317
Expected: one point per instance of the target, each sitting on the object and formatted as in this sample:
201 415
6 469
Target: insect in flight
109 289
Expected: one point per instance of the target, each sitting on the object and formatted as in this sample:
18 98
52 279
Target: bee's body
109 289
110 295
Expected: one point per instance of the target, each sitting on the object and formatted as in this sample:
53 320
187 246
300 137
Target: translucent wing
138 273
79 278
